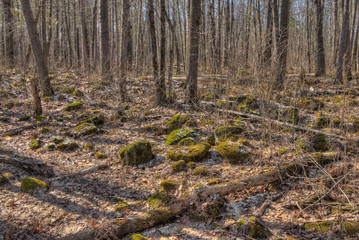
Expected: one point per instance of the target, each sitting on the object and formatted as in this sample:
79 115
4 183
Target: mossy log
279 123
162 215
15 131
29 164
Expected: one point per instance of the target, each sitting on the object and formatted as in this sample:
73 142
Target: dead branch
18 130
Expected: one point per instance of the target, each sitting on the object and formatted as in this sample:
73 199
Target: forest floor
72 204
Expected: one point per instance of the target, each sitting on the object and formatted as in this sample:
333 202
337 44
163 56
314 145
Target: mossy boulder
179 134
97 120
88 147
136 153
177 121
122 207
74 106
211 139
78 93
158 200
321 227
250 105
347 227
68 145
323 157
187 142
191 165
319 142
137 237
51 146
194 153
68 90
178 166
99 155
6 177
310 103
57 140
225 133
168 185
287 115
200 171
28 184
234 152
35 144
305 146
252 228
320 122
350 227
213 181
85 129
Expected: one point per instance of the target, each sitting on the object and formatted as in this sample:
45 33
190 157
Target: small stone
136 153
67 146
194 153
168 185
178 166
234 152
137 237
73 106
179 134
122 207
28 184
200 170
158 200
35 144
85 129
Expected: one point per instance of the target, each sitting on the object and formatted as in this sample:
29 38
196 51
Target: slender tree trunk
320 41
343 43
85 44
42 70
36 96
269 35
194 34
94 36
160 85
350 39
355 50
9 32
124 50
105 43
283 43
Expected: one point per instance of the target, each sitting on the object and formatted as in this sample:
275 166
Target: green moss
192 165
35 144
214 210
179 134
250 105
85 129
194 153
28 184
178 166
78 93
225 133
40 118
282 151
97 120
213 181
211 139
234 152
45 130
252 228
158 200
57 140
200 170
122 207
168 185
346 208
68 90
197 218
200 185
321 227
319 142
46 99
88 147
137 237
51 146
136 153
305 146
67 146
312 199
6 177
187 142
24 118
350 227
177 121
320 122
287 115
74 106
310 103
99 155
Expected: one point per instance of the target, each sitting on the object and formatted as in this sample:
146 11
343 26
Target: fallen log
123 226
29 164
18 130
279 123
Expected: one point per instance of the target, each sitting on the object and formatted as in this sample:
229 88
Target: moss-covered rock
85 129
50 146
346 208
40 118
323 158
214 210
211 139
97 120
74 106
45 130
28 184
57 140
99 155
178 166
88 147
68 145
305 146
68 90
179 134
24 118
225 133
5 178
35 144
200 170
321 227
194 153
287 115
350 227
234 152
310 103
168 185
213 181
282 151
320 122
158 200
177 121
250 105
191 165
136 153
319 142
78 93
187 142
122 207
253 228
137 237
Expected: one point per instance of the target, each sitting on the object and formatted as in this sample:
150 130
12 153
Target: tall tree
9 31
195 21
160 85
283 43
85 44
124 47
105 42
41 66
269 35
320 41
343 43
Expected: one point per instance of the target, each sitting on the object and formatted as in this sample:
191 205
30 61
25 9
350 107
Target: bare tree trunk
336 28
283 43
124 50
85 44
320 41
343 43
9 32
350 39
355 50
160 85
194 33
269 35
37 99
94 36
105 43
42 70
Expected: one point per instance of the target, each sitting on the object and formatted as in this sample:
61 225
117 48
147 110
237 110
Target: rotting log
279 123
123 226
29 164
18 130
